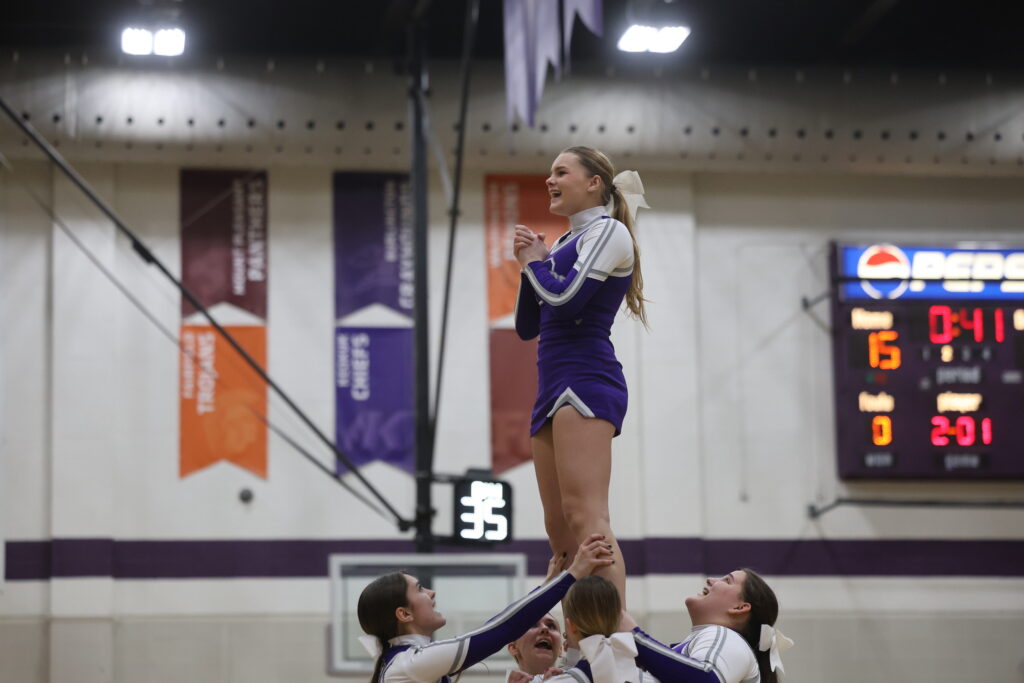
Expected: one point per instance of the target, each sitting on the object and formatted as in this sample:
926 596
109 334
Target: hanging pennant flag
373 295
224 263
532 42
590 14
547 46
511 200
519 91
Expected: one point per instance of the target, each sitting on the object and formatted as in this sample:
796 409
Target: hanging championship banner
373 295
511 200
224 263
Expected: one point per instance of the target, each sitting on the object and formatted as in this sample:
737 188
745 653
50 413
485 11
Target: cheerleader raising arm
402 622
733 637
668 665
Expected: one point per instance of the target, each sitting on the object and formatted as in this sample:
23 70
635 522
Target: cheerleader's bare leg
583 464
560 536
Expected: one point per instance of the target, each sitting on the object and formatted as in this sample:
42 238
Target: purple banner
373 299
374 395
372 242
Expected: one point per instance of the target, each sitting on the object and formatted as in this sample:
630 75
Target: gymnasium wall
117 569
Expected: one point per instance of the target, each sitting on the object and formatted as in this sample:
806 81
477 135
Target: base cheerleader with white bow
605 659
415 658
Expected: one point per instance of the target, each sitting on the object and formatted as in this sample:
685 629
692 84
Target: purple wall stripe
27 560
213 559
82 556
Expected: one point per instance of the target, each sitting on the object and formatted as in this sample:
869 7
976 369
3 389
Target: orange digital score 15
883 352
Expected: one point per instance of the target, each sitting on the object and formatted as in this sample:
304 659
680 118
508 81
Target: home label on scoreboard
928 352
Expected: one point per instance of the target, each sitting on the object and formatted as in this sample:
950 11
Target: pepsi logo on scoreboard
886 271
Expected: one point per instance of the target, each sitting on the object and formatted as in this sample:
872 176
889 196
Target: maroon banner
513 391
224 239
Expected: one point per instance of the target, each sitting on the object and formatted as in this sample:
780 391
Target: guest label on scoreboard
928 352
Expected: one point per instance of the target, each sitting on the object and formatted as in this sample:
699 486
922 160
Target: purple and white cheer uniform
711 654
415 659
571 300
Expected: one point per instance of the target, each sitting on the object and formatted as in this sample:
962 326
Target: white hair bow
774 642
632 189
372 645
611 658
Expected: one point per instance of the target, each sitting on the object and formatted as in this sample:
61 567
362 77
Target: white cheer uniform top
711 654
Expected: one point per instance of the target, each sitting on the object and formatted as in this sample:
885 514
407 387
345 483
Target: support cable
169 334
815 511
808 304
146 255
469 38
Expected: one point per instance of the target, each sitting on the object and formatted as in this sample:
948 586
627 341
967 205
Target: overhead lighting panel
654 26
169 42
639 38
155 27
137 41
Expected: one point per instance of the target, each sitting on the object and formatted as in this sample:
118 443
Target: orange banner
222 399
512 200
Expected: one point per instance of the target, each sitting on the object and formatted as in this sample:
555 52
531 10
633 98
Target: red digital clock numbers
965 431
946 324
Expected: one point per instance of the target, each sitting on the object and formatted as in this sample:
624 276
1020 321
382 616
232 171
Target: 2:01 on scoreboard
928 355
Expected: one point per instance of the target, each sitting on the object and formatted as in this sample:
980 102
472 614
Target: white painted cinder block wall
729 435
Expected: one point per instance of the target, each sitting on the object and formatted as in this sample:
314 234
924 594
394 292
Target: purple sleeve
515 620
667 664
527 311
565 298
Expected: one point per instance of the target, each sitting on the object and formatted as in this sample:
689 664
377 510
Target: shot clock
928 352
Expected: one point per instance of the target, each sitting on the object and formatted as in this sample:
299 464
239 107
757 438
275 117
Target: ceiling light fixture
640 38
155 28
137 41
166 42
654 26
169 42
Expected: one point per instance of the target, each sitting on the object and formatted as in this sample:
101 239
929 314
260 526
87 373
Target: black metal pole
418 180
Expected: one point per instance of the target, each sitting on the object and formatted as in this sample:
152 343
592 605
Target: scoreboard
928 354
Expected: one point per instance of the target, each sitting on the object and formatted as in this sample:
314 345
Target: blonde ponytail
635 295
597 163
